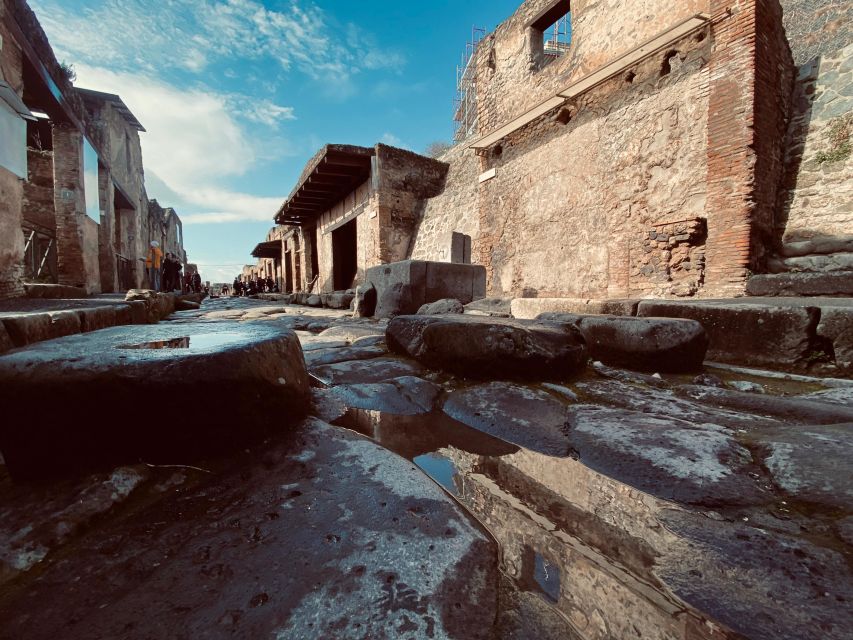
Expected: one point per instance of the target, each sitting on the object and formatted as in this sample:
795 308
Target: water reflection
195 342
580 544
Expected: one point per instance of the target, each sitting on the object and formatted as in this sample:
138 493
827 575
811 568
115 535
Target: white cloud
193 143
134 35
394 141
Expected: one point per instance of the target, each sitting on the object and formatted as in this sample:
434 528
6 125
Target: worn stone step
831 262
801 284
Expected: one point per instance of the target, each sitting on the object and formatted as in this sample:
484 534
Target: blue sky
237 95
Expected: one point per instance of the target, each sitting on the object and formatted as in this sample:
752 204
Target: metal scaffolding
558 36
465 103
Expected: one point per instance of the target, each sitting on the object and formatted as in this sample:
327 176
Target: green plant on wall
838 135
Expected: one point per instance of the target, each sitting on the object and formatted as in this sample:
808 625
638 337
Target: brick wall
70 204
750 89
38 205
11 187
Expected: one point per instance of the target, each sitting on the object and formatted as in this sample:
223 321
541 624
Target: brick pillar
747 110
107 233
70 203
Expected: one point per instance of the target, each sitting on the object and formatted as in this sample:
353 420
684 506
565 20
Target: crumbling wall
816 199
453 210
512 76
11 187
573 191
38 207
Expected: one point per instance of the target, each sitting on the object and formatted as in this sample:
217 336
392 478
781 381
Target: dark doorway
288 273
344 255
315 260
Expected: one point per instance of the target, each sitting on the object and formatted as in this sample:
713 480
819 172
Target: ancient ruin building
354 208
74 206
610 150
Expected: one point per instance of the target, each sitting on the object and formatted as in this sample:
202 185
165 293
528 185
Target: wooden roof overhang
327 179
269 249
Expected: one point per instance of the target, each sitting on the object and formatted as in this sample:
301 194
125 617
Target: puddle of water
548 540
195 342
547 576
440 469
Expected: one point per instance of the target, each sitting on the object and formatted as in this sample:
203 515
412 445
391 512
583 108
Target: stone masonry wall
454 209
816 202
38 207
512 76
569 200
11 187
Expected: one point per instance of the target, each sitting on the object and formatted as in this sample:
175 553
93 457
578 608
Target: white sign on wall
13 141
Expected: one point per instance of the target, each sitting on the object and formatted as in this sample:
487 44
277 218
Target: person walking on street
152 264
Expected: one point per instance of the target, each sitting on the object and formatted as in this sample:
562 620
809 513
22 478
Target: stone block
489 347
403 287
672 345
527 308
337 299
120 395
65 323
138 311
836 325
95 318
801 284
777 337
26 328
54 291
5 341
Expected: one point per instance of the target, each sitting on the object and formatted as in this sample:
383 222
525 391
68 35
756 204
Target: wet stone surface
614 504
327 535
523 415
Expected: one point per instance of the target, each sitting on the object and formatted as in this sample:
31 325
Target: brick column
107 233
747 110
70 203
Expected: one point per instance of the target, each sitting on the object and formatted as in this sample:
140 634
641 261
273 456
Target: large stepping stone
365 371
666 457
646 344
525 416
328 535
404 396
163 393
489 347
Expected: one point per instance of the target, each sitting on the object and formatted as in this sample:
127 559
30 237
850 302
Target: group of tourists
164 272
253 286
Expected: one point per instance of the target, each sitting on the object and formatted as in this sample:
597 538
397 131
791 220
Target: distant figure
196 282
152 264
270 285
237 287
224 290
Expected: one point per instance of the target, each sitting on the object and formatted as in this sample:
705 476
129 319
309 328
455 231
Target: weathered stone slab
815 464
841 395
665 403
187 305
337 299
122 394
328 536
666 457
495 307
350 332
95 318
159 305
836 325
53 291
404 396
526 416
791 409
489 347
439 307
27 328
36 521
365 300
319 357
801 284
758 582
778 337
365 371
5 340
528 308
403 287
646 344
